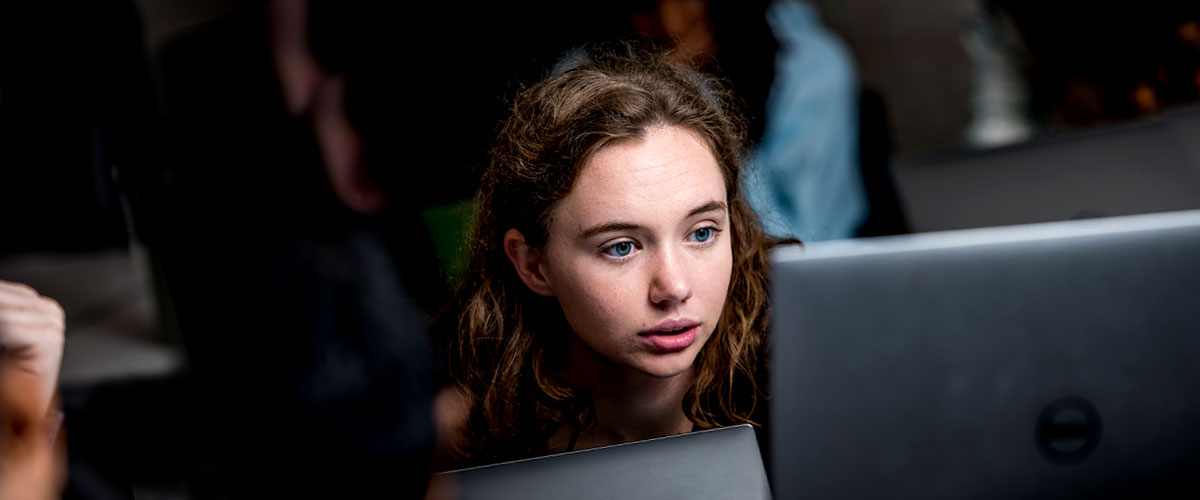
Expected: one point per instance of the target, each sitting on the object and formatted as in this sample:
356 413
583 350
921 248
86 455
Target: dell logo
1068 430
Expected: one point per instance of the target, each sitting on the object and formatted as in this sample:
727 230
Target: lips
672 335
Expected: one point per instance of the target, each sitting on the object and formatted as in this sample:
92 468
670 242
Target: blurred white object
1000 95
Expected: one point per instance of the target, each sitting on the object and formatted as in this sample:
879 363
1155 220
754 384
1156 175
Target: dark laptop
711 464
1057 360
1146 167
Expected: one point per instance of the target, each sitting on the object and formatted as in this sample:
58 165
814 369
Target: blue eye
703 234
620 249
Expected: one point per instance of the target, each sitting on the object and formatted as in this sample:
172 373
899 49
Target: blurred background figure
802 97
294 250
808 158
280 263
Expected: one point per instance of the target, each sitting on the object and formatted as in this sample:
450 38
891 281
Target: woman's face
639 252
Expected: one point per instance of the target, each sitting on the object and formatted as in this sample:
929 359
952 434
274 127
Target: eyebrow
707 207
626 226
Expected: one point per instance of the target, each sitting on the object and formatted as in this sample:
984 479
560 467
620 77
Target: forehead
649 181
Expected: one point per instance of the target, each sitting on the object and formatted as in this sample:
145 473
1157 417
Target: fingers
8 287
23 297
18 296
16 293
25 316
32 338
31 317
35 351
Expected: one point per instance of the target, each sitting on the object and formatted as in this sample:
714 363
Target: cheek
716 282
591 297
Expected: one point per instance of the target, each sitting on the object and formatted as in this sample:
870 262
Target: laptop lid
1049 360
718 463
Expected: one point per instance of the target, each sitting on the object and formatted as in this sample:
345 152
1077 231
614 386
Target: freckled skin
675 269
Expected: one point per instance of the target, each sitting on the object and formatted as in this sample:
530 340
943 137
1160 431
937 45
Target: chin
667 368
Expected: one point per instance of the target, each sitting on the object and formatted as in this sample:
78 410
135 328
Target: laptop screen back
1051 360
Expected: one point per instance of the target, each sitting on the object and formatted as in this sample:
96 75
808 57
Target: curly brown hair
509 348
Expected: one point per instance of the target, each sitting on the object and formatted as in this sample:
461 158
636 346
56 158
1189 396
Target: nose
669 283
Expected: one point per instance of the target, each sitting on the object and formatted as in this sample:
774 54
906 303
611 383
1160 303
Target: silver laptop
1057 360
711 464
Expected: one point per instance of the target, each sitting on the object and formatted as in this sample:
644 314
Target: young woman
617 286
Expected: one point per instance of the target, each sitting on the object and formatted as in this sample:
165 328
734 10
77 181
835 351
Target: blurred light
1144 98
1189 32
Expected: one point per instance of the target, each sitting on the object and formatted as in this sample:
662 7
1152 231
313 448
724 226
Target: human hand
32 458
31 340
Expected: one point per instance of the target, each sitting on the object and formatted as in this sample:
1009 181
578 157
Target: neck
630 405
